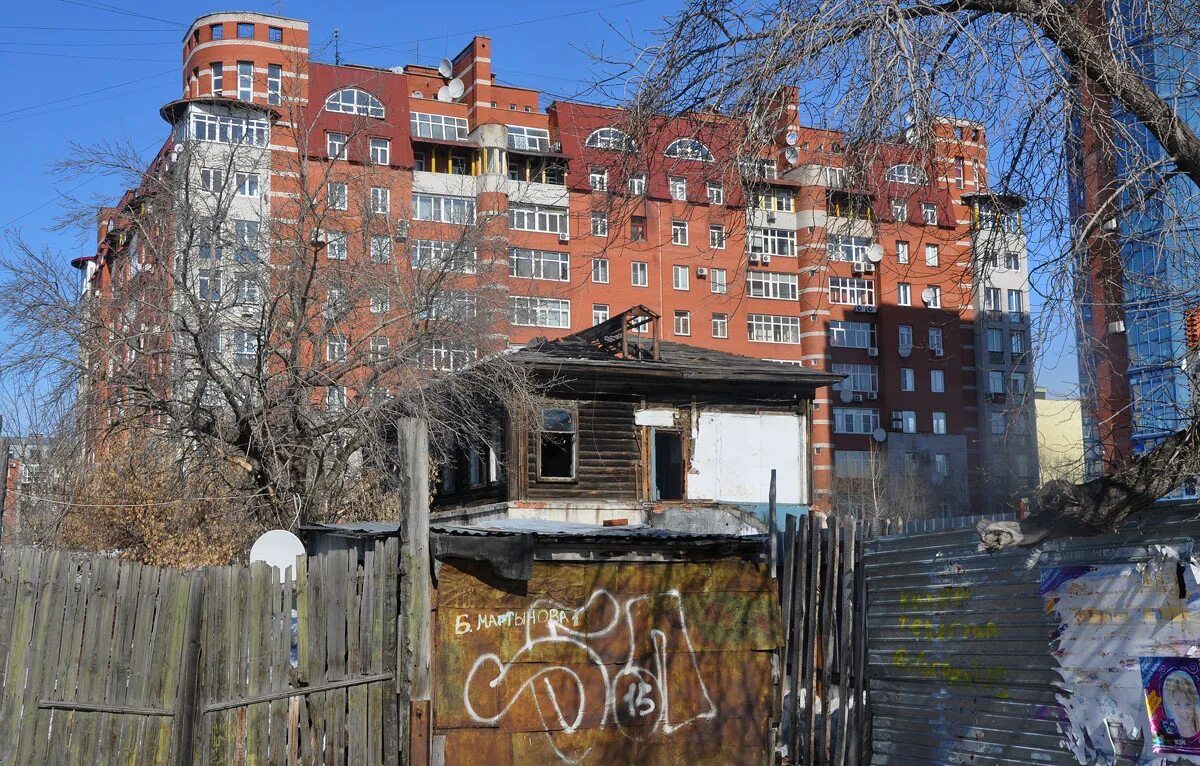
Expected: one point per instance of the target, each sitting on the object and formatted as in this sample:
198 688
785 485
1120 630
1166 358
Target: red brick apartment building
869 274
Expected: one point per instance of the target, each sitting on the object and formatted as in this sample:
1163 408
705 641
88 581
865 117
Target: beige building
1060 438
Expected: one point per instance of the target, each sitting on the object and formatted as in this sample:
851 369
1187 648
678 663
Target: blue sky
89 70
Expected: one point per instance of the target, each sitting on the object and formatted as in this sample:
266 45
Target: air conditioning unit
858 397
755 258
864 308
898 425
766 259
564 236
872 395
770 218
864 267
701 273
247 312
873 351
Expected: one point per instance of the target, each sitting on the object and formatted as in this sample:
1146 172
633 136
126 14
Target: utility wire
391 46
85 94
98 6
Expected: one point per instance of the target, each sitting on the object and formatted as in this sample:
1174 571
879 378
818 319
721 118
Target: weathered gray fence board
104 660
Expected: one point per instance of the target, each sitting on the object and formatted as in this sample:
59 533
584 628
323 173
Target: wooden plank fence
110 662
824 683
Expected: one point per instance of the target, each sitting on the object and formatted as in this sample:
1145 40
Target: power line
81 29
391 46
98 6
87 58
90 92
47 44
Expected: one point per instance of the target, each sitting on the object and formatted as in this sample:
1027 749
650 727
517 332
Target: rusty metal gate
960 661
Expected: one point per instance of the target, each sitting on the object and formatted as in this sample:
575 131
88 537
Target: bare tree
260 323
1066 91
873 491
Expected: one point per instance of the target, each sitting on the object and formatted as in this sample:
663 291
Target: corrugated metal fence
1044 656
959 658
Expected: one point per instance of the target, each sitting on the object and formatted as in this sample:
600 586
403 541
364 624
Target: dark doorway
668 465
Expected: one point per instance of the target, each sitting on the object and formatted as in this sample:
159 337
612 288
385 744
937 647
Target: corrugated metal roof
545 530
357 529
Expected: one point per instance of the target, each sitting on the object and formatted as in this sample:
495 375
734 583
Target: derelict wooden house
643 430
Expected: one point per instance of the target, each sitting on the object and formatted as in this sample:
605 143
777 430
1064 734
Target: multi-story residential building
1007 447
857 261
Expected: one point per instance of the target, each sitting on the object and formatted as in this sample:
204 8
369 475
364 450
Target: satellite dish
792 137
904 352
445 69
456 88
397 70
927 295
875 253
278 548
791 155
879 435
444 94
846 395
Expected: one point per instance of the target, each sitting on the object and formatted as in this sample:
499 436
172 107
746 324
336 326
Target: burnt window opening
557 443
668 465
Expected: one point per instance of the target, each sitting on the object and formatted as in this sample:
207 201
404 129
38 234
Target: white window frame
337 246
681 277
679 233
677 186
527 263
600 271
380 151
682 324
438 127
335 145
540 218
716 236
936 301
381 200
246 184
354 101
773 242
720 325
637 183
381 248
937 340
931 255
718 281
715 193
245 80
599 313
530 311
339 196
937 381
855 420
929 214
902 253
846 334
599 224
860 378
772 285
444 208
274 84
847 248
939 422
381 303
905 333
642 269
908 379
846 291
598 179
773 328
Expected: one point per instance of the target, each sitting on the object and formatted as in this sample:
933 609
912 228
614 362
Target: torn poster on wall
1172 688
1111 617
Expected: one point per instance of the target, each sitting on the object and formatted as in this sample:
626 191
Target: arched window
354 101
688 149
905 174
610 138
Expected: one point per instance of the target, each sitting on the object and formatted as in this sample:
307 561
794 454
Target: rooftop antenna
337 47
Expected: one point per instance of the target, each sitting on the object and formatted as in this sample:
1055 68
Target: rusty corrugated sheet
632 662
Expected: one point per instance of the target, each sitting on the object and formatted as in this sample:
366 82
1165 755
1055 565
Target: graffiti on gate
625 662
